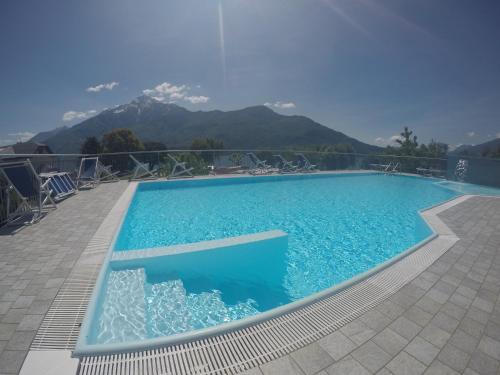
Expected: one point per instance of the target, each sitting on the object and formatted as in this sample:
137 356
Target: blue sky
363 67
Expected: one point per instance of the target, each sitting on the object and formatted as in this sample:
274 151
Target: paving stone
483 363
422 350
4 307
337 345
390 341
405 364
312 358
281 366
347 366
405 328
472 327
438 368
23 302
30 322
371 356
435 335
358 331
464 341
21 340
445 322
417 315
12 360
453 357
490 346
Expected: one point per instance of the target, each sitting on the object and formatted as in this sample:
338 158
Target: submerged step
123 309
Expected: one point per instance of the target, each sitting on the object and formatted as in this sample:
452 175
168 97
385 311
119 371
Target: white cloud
280 105
471 134
22 136
168 92
381 141
6 141
74 115
103 86
498 135
197 99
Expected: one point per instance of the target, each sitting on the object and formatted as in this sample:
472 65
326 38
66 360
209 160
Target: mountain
486 149
43 136
252 127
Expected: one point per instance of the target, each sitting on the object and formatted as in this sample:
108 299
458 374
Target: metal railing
481 170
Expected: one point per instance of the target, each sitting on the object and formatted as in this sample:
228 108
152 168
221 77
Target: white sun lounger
179 169
142 170
34 194
304 163
286 166
259 166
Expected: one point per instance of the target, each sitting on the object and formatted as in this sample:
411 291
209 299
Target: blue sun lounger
34 194
60 183
88 173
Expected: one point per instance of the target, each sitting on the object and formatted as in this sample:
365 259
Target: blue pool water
338 226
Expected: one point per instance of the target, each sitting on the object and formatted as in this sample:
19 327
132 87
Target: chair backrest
88 168
254 158
22 177
173 159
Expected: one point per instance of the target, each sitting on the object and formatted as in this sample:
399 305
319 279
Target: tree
408 145
121 140
154 146
91 146
207 144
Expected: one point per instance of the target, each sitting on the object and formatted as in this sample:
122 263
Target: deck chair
304 163
142 170
106 174
60 184
88 174
285 166
34 194
259 166
179 169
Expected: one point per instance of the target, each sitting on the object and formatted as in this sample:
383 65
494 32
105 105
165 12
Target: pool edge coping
429 215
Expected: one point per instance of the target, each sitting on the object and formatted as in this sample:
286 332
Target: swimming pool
331 227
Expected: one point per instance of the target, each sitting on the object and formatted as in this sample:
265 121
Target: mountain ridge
257 127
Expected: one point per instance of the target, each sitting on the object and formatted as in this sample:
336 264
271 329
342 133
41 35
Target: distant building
26 148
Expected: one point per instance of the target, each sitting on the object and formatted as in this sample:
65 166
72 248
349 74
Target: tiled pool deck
446 321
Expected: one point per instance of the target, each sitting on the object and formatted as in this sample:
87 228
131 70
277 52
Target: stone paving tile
371 356
390 341
337 345
36 260
347 366
422 350
282 366
312 358
405 364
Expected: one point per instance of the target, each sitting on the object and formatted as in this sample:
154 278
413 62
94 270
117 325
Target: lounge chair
106 174
142 170
285 166
60 183
34 194
179 169
259 166
88 173
304 165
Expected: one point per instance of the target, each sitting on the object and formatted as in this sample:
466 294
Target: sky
364 67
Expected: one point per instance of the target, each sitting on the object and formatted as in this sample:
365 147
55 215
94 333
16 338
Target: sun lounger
60 183
143 170
259 166
106 174
34 194
285 166
88 173
179 169
304 165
